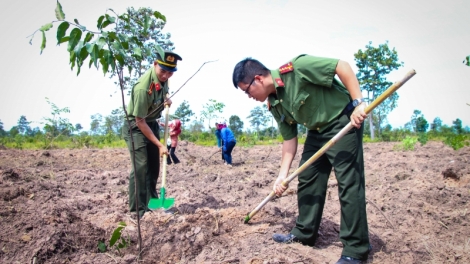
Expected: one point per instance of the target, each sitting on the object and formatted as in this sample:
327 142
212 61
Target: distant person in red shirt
174 131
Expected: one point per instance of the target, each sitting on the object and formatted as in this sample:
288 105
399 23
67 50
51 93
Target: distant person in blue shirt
219 138
229 142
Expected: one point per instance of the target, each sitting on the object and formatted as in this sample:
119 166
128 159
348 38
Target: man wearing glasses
305 91
146 104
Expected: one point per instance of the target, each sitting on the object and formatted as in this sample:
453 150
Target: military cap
168 61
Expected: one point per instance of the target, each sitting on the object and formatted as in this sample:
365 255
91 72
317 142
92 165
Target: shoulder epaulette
286 68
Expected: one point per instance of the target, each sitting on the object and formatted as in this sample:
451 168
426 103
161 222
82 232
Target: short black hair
246 70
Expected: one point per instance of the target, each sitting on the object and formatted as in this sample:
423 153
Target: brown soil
56 205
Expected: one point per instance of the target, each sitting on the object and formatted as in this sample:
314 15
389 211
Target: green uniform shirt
307 94
147 95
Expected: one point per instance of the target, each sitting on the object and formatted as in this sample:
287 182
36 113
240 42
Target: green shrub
457 141
423 138
407 144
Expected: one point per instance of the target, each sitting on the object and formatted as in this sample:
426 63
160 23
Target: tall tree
436 124
23 125
457 126
258 117
210 110
113 122
183 112
78 127
147 31
421 124
95 125
374 65
56 124
236 125
2 130
418 122
196 126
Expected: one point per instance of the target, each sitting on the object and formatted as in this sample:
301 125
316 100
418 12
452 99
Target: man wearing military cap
305 91
146 104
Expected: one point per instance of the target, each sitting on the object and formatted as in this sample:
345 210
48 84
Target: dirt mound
58 205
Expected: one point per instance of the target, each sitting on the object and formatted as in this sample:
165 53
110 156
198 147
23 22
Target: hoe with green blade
163 202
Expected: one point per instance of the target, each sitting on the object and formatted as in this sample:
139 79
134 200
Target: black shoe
286 239
290 238
348 260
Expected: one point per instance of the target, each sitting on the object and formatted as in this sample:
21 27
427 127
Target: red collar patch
155 86
269 105
286 68
279 82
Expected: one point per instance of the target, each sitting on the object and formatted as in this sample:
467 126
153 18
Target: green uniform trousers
147 166
346 157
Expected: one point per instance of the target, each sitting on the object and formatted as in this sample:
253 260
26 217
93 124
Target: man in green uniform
145 106
305 91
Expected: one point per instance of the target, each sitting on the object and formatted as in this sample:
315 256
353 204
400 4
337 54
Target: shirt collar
271 98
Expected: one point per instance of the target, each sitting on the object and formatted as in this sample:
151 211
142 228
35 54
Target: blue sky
431 37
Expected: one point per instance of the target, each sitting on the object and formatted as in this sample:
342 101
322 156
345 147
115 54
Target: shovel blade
165 203
162 202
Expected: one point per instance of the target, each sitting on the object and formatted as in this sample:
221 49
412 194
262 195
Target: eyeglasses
247 90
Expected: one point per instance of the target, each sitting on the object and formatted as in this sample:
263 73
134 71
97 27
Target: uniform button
292 113
290 122
305 124
318 128
302 102
280 100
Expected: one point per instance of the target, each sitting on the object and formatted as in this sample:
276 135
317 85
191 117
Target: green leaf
138 52
75 36
95 55
102 246
89 47
100 22
61 31
125 18
146 23
159 15
46 27
43 43
104 61
467 61
100 43
59 13
88 37
79 47
112 61
83 53
76 21
105 24
110 18
72 59
112 36
125 45
160 51
64 39
120 59
116 234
